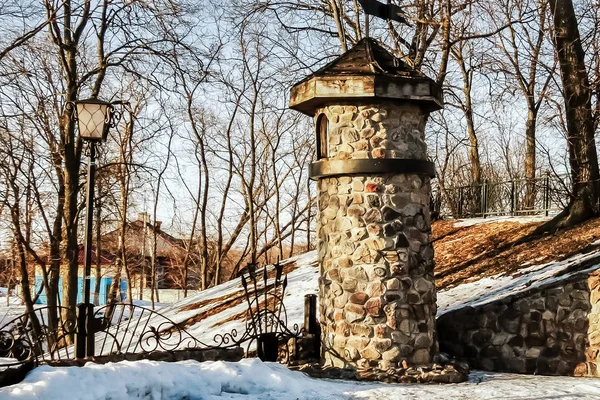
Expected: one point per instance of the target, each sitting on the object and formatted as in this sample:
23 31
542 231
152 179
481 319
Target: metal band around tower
326 168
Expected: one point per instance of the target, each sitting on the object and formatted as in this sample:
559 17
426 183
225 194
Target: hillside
476 260
471 249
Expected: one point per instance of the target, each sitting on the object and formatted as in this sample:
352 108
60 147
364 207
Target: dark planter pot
15 374
267 346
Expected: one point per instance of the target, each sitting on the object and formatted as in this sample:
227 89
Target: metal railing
87 331
540 196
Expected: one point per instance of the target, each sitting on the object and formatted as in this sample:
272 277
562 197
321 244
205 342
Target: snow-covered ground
10 307
253 379
526 219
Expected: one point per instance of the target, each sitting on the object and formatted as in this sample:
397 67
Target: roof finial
384 11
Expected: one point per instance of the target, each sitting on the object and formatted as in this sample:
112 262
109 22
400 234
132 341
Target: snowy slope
304 280
489 289
221 309
463 223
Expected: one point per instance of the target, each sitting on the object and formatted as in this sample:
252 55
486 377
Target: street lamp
94 118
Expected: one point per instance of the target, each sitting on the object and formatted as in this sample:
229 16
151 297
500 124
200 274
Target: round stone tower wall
377 293
389 130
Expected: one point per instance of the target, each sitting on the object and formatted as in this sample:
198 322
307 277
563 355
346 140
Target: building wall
105 283
551 330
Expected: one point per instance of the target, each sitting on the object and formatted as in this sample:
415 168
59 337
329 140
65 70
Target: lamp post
93 117
94 120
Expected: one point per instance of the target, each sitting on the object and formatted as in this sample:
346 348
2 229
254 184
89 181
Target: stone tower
377 293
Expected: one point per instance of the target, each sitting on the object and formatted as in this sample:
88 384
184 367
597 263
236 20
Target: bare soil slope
468 253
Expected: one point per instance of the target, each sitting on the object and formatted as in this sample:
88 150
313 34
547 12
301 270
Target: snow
147 304
462 223
7 363
253 379
11 309
301 281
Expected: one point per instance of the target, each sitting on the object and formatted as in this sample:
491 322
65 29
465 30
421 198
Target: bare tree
521 55
583 158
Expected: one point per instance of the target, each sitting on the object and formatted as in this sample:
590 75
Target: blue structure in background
104 289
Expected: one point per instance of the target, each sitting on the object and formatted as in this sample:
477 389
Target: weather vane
380 10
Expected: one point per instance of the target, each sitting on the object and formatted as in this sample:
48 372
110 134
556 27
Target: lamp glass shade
93 117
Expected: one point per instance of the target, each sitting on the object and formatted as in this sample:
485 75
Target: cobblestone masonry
552 330
377 299
393 130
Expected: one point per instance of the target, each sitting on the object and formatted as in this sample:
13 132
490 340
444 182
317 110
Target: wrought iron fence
113 329
266 322
50 334
543 195
37 337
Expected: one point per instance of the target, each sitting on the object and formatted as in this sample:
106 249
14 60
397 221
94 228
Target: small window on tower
322 136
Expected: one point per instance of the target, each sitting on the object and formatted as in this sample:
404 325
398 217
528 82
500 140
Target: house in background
108 266
170 254
139 236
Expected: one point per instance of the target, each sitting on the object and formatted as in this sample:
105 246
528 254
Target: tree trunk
530 191
71 162
583 158
122 235
473 149
467 106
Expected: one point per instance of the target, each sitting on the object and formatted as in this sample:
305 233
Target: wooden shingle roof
367 57
365 73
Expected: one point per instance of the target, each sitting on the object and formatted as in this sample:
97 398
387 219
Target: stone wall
385 130
549 330
377 294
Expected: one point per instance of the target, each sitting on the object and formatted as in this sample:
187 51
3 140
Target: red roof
107 258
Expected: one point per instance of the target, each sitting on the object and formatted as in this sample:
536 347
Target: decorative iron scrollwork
38 336
53 334
266 318
127 328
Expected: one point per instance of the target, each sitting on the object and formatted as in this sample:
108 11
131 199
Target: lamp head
93 117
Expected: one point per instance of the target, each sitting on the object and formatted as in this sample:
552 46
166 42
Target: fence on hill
541 196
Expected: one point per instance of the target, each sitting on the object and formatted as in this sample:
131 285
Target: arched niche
322 136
